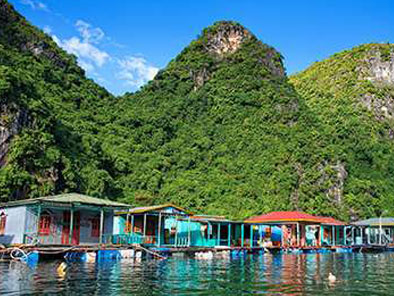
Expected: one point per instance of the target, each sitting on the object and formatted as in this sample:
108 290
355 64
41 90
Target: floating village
83 228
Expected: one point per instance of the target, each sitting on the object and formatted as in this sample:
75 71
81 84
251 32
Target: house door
66 228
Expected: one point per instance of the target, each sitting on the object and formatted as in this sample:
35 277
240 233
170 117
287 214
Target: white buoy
332 278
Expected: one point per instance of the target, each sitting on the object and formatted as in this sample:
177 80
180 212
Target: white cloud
89 34
136 71
85 47
85 50
35 5
48 30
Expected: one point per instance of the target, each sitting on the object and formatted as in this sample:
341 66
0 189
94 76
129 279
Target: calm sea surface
357 274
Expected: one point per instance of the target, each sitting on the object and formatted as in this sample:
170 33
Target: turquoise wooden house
171 226
153 225
66 219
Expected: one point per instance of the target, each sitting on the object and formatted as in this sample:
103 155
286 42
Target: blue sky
121 44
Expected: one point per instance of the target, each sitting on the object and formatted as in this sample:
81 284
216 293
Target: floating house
174 227
298 229
66 219
374 231
153 225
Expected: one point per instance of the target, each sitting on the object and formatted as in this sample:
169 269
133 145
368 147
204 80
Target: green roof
67 198
141 210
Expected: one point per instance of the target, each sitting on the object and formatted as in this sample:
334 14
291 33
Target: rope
153 253
24 255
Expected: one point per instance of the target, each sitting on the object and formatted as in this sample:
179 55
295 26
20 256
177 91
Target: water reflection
290 274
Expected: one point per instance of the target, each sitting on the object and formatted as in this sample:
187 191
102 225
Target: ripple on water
357 274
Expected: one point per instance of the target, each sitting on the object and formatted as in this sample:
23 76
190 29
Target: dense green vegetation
354 106
45 93
220 130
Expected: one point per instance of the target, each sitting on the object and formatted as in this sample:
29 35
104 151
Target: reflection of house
300 229
66 219
368 231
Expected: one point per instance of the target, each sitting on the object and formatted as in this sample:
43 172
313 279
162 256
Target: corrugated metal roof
140 210
67 198
293 216
209 218
386 221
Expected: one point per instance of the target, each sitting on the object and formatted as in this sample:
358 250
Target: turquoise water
357 274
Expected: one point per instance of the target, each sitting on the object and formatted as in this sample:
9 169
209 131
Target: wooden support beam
188 233
298 234
251 235
333 235
132 223
70 233
159 231
362 233
229 235
219 234
144 225
38 220
101 225
242 235
321 235
176 231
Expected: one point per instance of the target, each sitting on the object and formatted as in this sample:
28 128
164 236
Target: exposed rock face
334 174
227 38
8 128
382 108
381 69
199 77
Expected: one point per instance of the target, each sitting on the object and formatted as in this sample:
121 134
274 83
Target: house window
95 227
45 224
3 219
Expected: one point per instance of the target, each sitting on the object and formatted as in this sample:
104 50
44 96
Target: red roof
288 216
330 220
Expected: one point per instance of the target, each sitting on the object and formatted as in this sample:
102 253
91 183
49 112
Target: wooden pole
159 231
242 235
251 235
38 220
132 223
298 234
229 235
101 225
70 233
144 226
188 233
321 235
362 230
333 235
219 234
176 231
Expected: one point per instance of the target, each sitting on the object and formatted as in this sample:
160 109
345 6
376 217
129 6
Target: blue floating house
66 219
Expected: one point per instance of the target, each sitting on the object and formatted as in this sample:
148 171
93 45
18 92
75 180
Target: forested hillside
220 130
49 116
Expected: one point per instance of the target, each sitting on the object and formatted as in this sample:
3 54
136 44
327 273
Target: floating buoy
61 269
332 278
